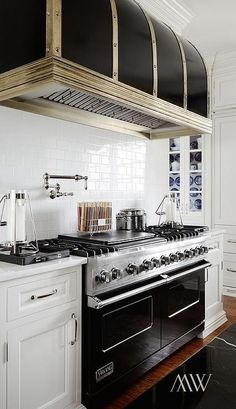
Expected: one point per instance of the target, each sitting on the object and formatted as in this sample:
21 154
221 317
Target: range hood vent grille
89 103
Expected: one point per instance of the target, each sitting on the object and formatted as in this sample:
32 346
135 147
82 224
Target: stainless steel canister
131 219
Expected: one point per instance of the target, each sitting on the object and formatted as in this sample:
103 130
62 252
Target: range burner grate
176 233
75 248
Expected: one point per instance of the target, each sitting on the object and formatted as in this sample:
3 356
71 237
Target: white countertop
13 271
215 232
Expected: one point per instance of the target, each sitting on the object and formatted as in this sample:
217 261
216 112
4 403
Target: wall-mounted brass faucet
55 189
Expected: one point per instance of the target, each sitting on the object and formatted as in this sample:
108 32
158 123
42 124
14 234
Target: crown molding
170 12
224 62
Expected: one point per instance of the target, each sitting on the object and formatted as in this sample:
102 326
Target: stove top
120 258
178 232
110 238
75 247
86 245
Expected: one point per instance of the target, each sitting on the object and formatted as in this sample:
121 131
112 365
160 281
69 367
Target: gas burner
76 248
178 232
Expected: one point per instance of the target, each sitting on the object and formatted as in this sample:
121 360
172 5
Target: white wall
31 145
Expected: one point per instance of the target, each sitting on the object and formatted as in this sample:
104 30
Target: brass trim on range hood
43 87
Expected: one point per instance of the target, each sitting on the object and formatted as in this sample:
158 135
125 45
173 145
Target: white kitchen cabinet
224 163
41 368
214 311
40 338
187 177
225 168
224 86
230 260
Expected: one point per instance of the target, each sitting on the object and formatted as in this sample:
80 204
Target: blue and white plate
177 181
198 157
191 180
193 189
171 181
198 180
198 204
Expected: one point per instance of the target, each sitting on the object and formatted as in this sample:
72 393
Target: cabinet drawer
230 242
230 271
229 238
214 254
39 295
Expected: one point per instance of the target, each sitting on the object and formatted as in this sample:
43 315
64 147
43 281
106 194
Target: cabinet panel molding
224 91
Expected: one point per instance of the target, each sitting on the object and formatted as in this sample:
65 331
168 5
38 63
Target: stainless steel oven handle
96 303
206 265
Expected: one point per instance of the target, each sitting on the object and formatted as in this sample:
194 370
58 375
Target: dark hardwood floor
171 363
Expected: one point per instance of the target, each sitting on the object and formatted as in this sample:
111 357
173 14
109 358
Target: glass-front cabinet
186 176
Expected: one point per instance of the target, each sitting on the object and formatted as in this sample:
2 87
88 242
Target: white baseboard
230 291
214 323
76 406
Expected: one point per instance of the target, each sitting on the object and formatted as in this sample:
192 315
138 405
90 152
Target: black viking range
140 301
143 292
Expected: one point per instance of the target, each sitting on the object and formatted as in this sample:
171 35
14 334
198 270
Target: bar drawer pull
231 270
231 241
38 297
73 317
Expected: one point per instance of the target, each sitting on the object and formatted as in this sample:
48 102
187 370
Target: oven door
122 331
183 302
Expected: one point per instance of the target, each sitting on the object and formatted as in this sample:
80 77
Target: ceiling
213 25
172 12
209 24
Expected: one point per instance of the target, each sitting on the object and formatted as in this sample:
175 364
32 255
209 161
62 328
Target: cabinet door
225 170
213 291
41 370
224 88
186 176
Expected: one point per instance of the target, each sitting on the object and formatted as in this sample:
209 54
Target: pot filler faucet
55 189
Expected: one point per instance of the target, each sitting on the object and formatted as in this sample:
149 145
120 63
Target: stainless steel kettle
131 220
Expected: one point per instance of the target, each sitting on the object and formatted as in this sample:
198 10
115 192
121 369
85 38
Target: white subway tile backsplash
32 145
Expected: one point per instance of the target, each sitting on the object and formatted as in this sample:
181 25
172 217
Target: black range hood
104 63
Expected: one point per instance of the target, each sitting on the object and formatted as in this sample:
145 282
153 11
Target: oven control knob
188 253
205 249
147 265
104 277
165 260
132 269
197 251
115 273
194 252
173 257
156 262
201 250
180 256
